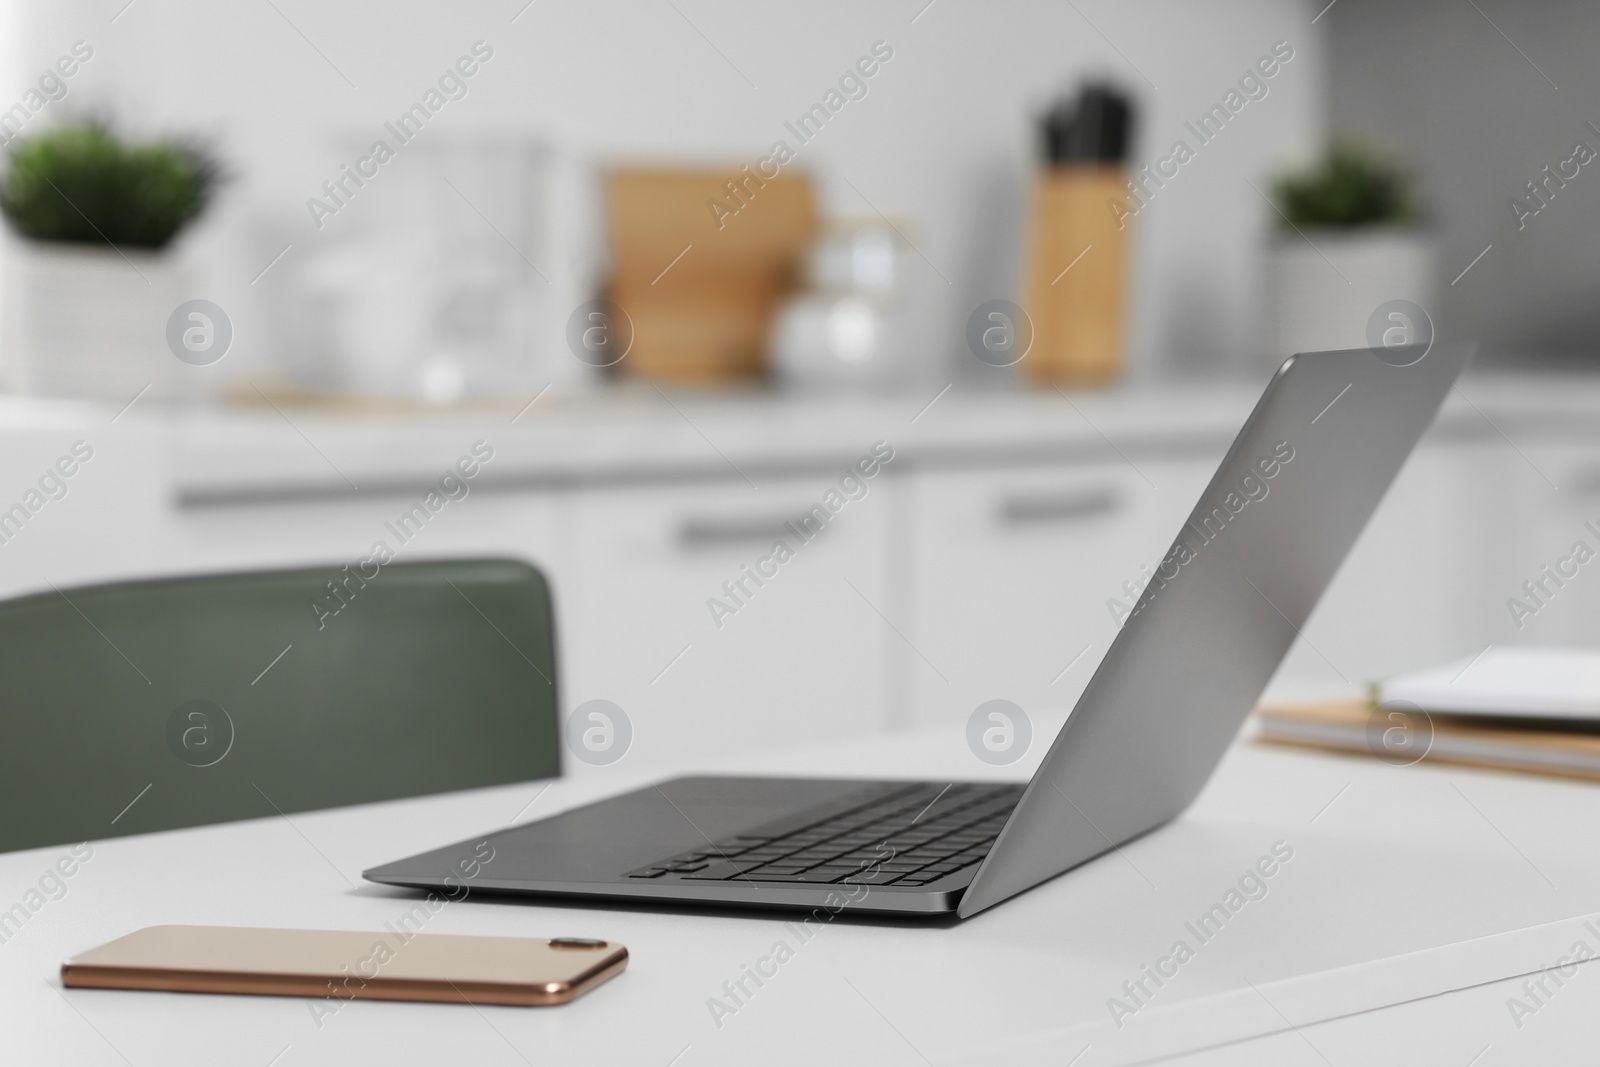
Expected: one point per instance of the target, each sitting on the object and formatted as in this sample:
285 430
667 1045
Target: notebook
1535 710
1512 682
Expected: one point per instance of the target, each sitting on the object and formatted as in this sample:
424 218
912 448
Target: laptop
1294 491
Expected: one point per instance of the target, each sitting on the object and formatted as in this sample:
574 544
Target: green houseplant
83 185
93 278
1352 186
1348 239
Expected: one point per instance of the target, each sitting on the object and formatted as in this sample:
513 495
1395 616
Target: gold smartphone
346 964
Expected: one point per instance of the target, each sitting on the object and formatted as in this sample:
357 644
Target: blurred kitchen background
581 244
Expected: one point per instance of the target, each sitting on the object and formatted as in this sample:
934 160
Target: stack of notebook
1525 709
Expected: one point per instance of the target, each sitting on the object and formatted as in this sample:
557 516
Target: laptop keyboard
902 836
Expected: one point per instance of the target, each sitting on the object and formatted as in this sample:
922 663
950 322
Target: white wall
943 138
1479 107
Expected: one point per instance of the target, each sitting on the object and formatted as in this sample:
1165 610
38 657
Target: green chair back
153 705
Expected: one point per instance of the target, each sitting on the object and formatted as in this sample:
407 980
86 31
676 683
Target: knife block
1077 308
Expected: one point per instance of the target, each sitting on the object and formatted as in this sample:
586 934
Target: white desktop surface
1390 864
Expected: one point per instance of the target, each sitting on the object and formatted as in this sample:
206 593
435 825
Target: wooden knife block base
1076 278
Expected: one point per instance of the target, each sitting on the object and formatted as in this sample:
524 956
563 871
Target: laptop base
886 847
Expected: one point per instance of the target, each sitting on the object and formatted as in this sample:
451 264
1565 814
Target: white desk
1402 861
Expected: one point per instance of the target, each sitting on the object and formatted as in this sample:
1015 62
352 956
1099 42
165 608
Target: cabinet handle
708 533
1073 505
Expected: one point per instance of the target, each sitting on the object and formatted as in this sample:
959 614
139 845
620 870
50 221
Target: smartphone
346 964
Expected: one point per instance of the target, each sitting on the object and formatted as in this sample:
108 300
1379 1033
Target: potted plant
1349 240
92 282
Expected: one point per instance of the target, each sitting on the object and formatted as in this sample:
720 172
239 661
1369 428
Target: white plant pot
89 321
1321 292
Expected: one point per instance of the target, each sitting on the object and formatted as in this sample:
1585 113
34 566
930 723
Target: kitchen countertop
219 455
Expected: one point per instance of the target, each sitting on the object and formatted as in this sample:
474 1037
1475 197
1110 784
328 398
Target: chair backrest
152 705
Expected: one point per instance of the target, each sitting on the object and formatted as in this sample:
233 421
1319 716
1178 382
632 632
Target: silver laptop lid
1294 491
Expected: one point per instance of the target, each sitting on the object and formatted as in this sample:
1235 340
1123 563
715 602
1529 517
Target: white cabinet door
791 657
1418 587
1015 573
1549 592
337 531
79 503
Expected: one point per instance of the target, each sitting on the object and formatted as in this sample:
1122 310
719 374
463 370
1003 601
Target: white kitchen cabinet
335 531
984 562
1013 568
80 502
802 656
1554 492
1418 587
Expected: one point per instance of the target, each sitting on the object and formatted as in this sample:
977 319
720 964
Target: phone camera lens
575 942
